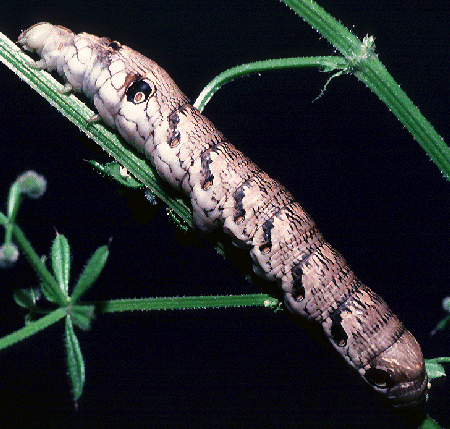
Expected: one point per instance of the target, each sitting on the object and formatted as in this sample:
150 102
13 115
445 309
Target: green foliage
54 287
61 264
90 273
441 325
434 367
177 220
74 360
115 171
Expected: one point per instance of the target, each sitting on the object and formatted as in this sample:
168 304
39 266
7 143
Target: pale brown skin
138 98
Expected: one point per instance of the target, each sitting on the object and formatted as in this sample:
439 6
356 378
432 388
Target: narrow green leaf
3 219
75 360
188 302
32 328
115 171
61 262
441 325
90 273
82 316
26 298
49 293
177 220
14 198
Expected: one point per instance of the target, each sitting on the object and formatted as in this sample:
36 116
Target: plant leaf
49 293
14 198
3 219
26 298
61 262
441 325
90 273
434 370
118 173
75 360
32 328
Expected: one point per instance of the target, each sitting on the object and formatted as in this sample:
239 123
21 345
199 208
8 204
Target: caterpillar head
398 373
47 40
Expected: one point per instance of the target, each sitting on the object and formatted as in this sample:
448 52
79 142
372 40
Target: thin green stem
185 302
38 265
341 38
32 328
373 73
440 359
328 63
367 67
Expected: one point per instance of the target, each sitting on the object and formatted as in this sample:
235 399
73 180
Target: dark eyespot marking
339 335
267 229
115 46
298 290
208 183
206 173
379 377
139 91
174 141
239 211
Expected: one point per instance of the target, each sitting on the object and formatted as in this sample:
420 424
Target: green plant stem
336 33
184 302
368 68
32 328
445 359
328 63
38 265
373 73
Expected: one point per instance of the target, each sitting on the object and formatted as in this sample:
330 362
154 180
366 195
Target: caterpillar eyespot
207 185
339 335
227 190
139 92
239 219
379 377
174 141
264 249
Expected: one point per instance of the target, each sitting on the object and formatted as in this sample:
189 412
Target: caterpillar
227 190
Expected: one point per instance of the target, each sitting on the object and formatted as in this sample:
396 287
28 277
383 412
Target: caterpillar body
227 190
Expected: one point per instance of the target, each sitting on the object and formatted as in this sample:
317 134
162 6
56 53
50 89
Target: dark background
369 186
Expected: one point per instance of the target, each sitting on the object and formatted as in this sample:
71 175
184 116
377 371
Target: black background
369 186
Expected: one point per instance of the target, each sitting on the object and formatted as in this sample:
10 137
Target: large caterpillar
138 98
